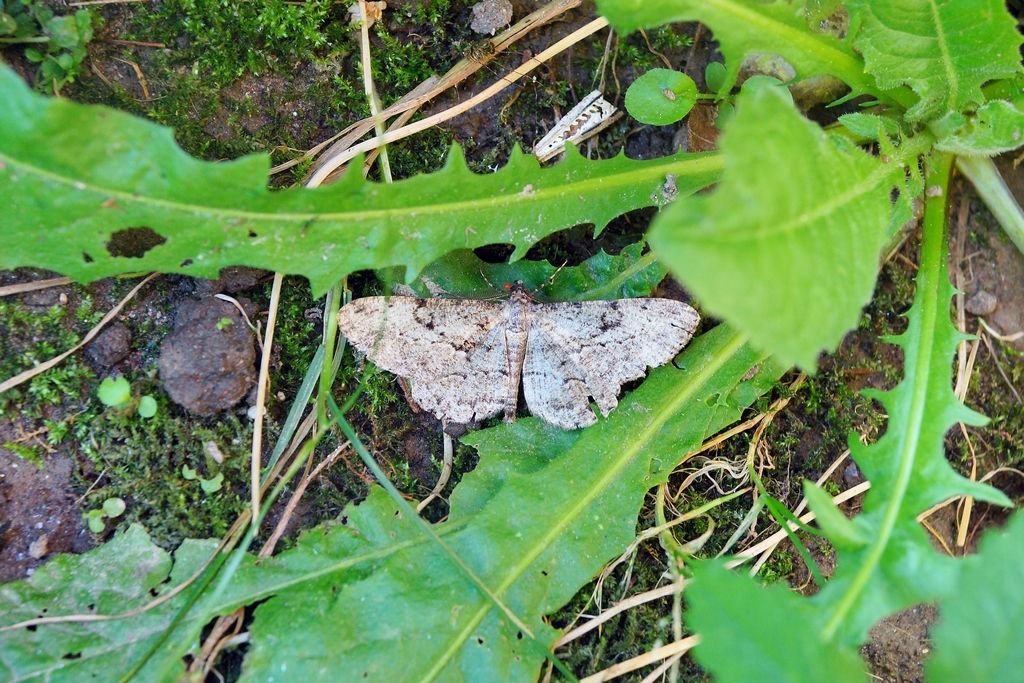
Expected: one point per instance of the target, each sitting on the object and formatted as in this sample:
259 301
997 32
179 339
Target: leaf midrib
631 178
581 503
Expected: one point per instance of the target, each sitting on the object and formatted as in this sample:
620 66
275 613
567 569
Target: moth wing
592 348
452 351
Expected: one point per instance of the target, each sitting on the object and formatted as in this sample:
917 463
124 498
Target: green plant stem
992 189
370 90
332 305
929 299
17 41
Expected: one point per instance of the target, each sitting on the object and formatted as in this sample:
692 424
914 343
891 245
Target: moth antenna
550 280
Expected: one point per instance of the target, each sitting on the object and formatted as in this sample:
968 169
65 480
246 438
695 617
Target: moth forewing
591 115
466 358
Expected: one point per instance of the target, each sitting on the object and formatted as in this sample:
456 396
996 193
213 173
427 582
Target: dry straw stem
9 384
679 647
326 169
261 399
446 472
22 287
433 86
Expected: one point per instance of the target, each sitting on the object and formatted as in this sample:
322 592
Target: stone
208 363
111 346
490 15
981 303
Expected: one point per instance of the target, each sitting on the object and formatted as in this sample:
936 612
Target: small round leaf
714 76
147 406
213 484
95 522
114 392
661 96
725 112
113 507
8 24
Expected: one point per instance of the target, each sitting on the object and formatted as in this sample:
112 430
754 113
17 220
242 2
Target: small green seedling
111 509
58 43
211 485
224 323
117 393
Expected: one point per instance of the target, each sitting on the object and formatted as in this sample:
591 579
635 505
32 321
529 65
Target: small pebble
852 476
39 548
490 15
981 303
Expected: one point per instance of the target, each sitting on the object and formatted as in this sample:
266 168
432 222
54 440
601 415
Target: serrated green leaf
839 529
547 527
110 193
997 127
870 126
945 50
755 633
791 263
744 27
661 96
123 574
907 466
537 518
630 273
980 634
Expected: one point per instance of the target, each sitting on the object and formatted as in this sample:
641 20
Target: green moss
30 338
227 39
141 461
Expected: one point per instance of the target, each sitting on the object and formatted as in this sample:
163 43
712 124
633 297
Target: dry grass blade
446 472
430 88
679 647
262 386
20 378
589 29
615 610
779 535
22 287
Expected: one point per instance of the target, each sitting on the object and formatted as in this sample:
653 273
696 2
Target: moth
590 116
465 359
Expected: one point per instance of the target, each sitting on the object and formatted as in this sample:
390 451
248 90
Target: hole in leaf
186 263
86 257
31 628
479 640
154 592
72 655
519 635
134 242
543 572
495 253
252 233
91 606
344 520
